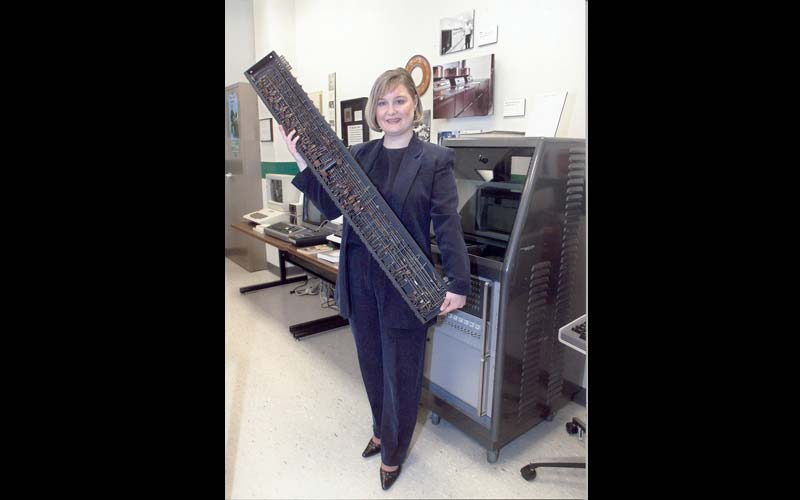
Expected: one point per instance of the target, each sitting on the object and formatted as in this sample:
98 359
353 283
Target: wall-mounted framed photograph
456 32
464 88
266 129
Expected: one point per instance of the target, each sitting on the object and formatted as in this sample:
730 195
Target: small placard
514 107
487 34
354 134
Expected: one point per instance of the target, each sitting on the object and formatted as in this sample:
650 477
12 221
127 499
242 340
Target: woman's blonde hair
386 82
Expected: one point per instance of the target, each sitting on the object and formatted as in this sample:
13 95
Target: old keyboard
397 253
283 231
580 329
573 334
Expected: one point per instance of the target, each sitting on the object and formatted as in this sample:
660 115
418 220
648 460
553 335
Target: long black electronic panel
351 190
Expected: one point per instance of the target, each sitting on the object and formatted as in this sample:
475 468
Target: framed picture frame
266 129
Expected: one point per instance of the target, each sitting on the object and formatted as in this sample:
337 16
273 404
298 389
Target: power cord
317 286
308 287
326 296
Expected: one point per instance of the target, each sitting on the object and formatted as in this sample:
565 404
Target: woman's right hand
291 144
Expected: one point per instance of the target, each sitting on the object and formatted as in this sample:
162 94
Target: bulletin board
354 121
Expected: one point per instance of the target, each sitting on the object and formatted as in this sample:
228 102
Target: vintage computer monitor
280 193
497 204
312 217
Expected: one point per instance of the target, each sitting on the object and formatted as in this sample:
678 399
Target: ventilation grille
574 211
543 356
538 325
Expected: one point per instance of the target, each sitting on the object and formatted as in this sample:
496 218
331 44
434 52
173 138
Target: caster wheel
528 473
572 428
491 456
435 419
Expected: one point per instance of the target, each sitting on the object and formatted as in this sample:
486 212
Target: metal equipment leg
301 330
283 281
576 426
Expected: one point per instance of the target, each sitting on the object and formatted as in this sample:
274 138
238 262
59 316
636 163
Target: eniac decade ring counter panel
400 257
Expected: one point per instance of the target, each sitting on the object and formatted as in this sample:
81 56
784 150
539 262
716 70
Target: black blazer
423 191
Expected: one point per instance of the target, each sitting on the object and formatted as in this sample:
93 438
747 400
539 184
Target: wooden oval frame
419 61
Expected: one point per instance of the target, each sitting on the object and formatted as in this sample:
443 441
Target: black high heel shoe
371 449
388 478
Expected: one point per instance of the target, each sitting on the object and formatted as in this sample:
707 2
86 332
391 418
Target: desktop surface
292 252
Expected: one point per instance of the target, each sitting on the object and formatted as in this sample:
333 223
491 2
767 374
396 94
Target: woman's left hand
452 302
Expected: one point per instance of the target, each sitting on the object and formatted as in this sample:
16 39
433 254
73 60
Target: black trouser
391 359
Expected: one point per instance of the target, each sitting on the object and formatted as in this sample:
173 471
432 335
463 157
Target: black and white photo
456 32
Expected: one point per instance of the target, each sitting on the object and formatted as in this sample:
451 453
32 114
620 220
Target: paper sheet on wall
545 114
354 135
514 107
487 33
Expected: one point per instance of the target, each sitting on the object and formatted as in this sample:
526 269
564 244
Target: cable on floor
326 295
308 287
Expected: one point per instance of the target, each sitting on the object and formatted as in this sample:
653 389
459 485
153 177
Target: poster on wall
330 113
464 88
456 32
233 120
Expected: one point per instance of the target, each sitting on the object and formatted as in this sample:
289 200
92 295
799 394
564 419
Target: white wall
541 48
275 30
239 47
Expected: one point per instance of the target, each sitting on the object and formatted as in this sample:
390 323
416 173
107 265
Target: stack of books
314 249
330 256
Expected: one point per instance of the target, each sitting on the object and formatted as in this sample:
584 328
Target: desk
290 253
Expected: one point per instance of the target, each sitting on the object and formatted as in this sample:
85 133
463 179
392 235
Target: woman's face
395 111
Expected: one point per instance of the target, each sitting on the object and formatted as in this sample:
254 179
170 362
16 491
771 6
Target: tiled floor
297 418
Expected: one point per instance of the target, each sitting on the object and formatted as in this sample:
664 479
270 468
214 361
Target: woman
416 180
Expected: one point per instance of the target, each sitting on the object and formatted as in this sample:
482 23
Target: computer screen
312 217
276 190
279 192
497 208
490 176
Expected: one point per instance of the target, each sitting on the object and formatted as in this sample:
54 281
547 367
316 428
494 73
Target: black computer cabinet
494 368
